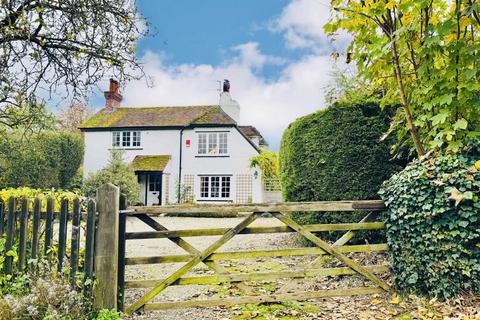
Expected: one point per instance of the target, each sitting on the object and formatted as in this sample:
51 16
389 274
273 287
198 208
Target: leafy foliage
423 55
267 162
43 160
31 193
64 47
45 294
335 154
433 224
117 172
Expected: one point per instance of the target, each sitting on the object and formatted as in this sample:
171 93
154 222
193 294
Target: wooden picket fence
44 234
211 257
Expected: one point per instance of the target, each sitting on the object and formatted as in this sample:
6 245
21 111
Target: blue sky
274 53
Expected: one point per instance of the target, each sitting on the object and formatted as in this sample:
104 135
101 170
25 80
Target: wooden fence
33 233
211 257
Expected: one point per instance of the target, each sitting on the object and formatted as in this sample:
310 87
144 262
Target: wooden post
106 247
22 239
62 234
121 251
8 263
90 239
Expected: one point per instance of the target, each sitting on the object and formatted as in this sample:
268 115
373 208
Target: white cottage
199 152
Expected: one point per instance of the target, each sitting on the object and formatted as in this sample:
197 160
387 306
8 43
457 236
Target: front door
154 189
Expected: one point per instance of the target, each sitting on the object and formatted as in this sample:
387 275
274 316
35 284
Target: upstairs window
213 143
126 139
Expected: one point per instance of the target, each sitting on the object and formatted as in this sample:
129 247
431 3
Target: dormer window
213 143
126 139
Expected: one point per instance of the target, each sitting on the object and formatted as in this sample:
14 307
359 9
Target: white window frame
212 143
126 139
215 187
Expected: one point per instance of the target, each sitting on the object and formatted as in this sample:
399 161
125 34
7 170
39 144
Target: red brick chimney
112 96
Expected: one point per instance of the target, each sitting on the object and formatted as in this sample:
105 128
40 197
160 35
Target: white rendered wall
166 142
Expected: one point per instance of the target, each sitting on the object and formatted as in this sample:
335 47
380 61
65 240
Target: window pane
215 187
116 138
212 143
225 187
202 143
223 145
155 182
204 187
136 139
126 138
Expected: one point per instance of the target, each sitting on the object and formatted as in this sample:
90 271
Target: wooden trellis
210 256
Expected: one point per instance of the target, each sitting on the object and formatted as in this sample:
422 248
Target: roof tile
125 117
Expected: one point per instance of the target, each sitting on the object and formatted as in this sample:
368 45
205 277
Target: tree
117 172
422 55
71 117
63 47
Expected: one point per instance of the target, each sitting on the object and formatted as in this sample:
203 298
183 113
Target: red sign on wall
187 142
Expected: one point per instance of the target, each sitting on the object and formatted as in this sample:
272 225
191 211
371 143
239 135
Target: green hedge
43 160
335 154
433 224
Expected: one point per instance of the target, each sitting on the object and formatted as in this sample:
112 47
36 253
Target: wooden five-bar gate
211 257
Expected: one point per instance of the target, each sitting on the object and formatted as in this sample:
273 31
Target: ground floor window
215 187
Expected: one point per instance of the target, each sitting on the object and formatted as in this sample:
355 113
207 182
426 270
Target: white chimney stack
228 105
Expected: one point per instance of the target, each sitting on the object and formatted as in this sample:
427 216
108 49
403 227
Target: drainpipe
180 166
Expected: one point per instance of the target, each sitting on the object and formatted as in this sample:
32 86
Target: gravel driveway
155 247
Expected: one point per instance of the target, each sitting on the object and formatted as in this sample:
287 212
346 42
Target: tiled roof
150 163
250 132
124 117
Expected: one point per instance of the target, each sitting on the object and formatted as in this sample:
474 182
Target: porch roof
150 163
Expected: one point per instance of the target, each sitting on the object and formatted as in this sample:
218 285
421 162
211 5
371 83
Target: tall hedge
335 154
433 224
43 160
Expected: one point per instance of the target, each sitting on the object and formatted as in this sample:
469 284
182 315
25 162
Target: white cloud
301 23
268 105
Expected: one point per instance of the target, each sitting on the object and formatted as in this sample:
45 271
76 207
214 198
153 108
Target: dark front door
154 189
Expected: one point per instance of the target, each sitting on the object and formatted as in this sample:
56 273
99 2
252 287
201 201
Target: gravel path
155 247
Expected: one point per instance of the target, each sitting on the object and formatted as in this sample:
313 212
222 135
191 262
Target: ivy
433 224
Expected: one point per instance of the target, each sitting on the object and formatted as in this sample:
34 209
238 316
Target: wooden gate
210 257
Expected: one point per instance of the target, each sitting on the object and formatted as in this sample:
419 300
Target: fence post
121 252
106 247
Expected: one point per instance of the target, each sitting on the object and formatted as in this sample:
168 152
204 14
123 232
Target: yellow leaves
450 37
455 195
434 20
477 164
407 18
395 300
390 4
464 22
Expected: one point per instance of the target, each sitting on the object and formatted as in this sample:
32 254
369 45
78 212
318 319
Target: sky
274 53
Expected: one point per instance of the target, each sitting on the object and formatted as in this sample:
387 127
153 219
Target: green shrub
335 154
32 193
43 160
106 314
433 224
267 162
117 172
